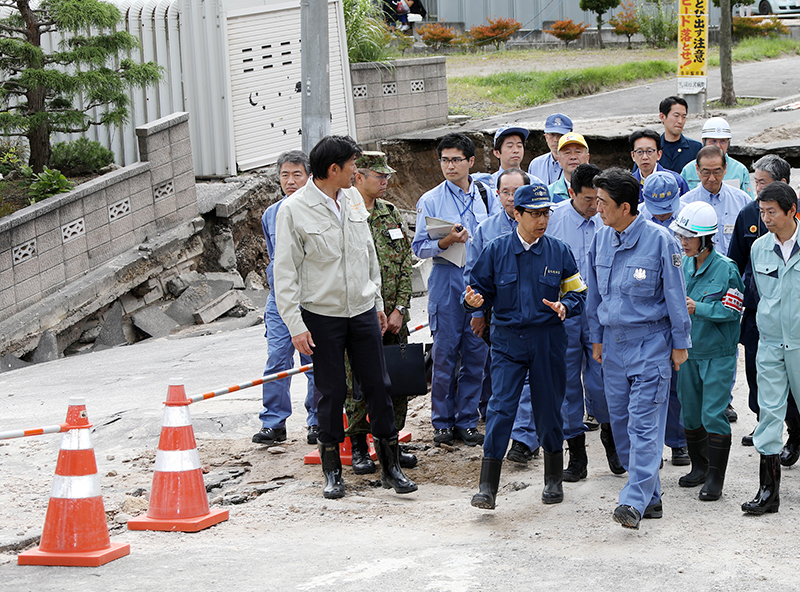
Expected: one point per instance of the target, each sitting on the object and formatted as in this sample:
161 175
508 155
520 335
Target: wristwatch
402 309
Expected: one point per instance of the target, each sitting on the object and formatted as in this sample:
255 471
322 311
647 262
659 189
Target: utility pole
315 67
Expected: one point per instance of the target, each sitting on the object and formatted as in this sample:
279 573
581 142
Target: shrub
368 37
744 27
436 35
626 23
13 157
566 31
404 42
80 157
46 184
658 24
497 31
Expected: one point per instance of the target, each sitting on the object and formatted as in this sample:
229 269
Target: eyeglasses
649 152
705 173
507 193
456 160
379 177
539 213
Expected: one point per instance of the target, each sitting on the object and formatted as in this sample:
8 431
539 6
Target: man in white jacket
327 285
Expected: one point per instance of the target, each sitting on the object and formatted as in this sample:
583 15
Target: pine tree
42 92
599 7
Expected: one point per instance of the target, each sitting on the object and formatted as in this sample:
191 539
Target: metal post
315 72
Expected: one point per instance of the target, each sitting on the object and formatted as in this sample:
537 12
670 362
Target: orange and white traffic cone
178 499
75 530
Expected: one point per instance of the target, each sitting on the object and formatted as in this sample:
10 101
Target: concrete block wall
399 96
54 242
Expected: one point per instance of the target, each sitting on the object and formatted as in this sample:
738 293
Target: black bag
405 364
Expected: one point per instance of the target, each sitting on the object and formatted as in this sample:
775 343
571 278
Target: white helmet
716 127
696 219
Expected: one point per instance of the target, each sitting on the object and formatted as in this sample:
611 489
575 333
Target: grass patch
740 102
757 49
482 96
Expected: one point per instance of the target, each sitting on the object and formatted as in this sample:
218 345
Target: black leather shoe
654 511
627 516
470 436
270 436
680 457
361 462
332 470
313 434
748 439
443 436
519 453
731 414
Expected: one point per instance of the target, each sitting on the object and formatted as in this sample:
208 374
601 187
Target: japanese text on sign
692 37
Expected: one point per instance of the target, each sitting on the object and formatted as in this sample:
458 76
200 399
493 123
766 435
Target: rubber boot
607 439
791 451
362 464
767 499
407 460
719 448
576 469
553 493
391 474
332 469
697 443
489 483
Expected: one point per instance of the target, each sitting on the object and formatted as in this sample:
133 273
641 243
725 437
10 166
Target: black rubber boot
391 474
767 499
719 448
791 450
489 483
576 469
553 492
697 443
362 463
332 469
607 439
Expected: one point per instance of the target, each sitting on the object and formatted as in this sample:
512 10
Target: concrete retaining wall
46 246
399 96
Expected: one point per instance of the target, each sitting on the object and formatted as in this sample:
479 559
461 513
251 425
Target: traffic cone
178 499
75 530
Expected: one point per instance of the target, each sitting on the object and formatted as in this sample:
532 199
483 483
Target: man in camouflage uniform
394 255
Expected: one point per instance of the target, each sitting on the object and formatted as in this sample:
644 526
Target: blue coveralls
675 436
637 311
280 351
735 171
524 427
584 377
778 320
455 391
704 379
682 185
527 336
676 155
727 204
546 168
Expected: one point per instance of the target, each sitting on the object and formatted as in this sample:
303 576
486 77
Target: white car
778 6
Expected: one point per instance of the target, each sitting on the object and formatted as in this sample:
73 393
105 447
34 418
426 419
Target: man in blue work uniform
717 132
662 202
646 152
454 392
293 171
524 442
572 152
748 227
546 167
532 283
776 264
640 331
676 149
727 201
575 222
509 149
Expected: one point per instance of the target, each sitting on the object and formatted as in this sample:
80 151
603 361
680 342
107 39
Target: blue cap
507 131
661 193
558 123
533 197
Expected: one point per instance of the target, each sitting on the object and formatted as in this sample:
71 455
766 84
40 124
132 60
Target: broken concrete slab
233 275
196 297
11 362
112 333
254 281
153 321
227 250
177 285
216 308
47 350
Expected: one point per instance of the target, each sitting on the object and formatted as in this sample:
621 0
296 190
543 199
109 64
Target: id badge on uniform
728 229
395 233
